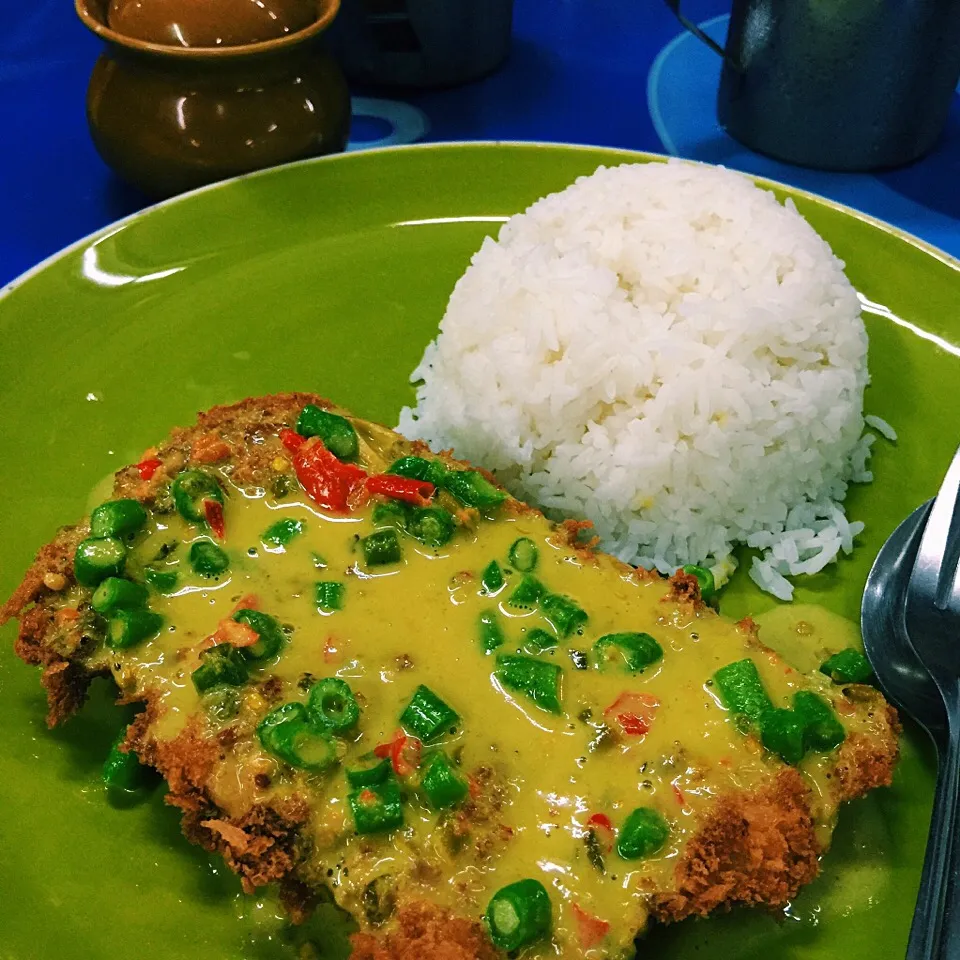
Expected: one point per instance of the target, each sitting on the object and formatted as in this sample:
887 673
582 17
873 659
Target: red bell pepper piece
329 482
590 929
213 511
403 751
147 468
407 489
633 712
291 439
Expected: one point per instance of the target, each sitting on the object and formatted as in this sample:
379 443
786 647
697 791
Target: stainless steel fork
932 620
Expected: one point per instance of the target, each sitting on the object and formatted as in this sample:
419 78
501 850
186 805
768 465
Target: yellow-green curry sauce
415 623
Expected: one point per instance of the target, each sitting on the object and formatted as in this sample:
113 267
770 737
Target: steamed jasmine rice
668 351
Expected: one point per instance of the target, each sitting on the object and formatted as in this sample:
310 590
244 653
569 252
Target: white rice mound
668 351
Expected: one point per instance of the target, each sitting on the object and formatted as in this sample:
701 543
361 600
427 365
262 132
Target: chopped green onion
98 558
269 633
781 732
523 555
280 534
492 578
207 559
118 518
122 770
115 593
190 488
491 633
427 716
565 614
127 628
708 586
441 783
332 705
287 733
643 834
221 664
822 731
636 651
329 595
381 547
336 432
537 640
519 914
377 772
526 593
163 581
378 807
432 526
472 488
419 468
741 689
847 666
391 513
536 679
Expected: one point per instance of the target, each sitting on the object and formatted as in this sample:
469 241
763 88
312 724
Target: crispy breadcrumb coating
755 847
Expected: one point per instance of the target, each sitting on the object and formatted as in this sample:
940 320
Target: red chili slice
328 481
590 929
600 820
601 826
147 468
403 751
407 489
330 652
678 794
633 713
249 601
213 511
235 633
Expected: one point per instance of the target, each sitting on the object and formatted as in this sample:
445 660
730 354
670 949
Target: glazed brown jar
190 93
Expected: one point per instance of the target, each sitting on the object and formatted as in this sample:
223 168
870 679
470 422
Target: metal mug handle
690 26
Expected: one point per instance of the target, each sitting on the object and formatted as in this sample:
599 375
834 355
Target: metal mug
837 84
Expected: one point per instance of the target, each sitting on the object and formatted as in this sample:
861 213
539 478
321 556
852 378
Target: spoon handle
935 933
950 931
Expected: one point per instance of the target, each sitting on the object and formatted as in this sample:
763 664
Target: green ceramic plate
331 276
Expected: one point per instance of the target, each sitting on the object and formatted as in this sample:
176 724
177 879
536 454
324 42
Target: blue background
607 72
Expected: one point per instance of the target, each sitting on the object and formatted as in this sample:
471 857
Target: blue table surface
617 73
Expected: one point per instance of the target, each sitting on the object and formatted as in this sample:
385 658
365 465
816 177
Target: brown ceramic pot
168 118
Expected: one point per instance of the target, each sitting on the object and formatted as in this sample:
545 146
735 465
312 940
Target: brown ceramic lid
209 23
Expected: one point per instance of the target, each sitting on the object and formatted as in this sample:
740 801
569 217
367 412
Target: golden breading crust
755 847
426 932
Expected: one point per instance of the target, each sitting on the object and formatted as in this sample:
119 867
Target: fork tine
935 572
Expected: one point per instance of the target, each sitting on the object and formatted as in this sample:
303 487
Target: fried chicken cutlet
366 669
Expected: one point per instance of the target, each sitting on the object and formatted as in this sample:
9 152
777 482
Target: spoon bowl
887 615
903 678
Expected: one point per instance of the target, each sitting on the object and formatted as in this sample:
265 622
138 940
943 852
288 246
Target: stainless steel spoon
909 685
